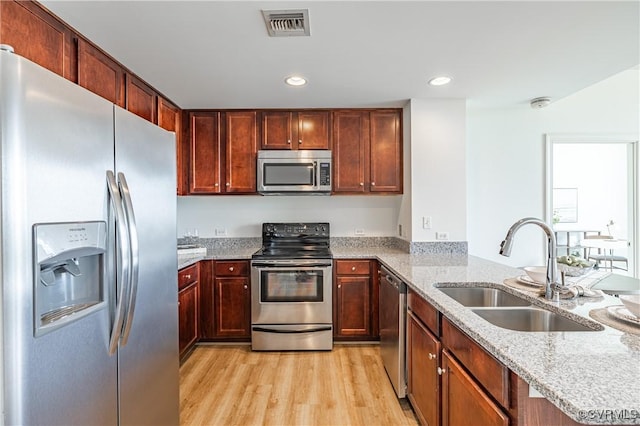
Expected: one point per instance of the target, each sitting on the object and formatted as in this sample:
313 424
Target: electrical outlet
359 231
426 222
221 232
400 230
442 235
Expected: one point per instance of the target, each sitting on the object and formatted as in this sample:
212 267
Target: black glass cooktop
294 241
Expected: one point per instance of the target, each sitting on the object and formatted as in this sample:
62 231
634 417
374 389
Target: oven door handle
290 264
292 331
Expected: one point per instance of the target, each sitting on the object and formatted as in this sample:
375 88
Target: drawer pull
432 356
245 287
441 371
353 268
188 276
231 268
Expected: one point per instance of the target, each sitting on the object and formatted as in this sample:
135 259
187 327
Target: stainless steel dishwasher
392 316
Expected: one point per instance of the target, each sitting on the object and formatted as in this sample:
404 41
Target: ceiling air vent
287 23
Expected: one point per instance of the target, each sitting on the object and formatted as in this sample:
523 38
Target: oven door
291 292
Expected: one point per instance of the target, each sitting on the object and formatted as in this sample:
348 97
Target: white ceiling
217 54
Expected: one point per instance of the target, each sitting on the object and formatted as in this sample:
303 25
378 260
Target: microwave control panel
325 174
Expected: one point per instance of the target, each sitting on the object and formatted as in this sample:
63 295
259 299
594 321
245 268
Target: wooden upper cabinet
276 130
385 152
100 74
313 130
205 153
241 151
350 146
295 130
38 36
141 99
367 151
223 150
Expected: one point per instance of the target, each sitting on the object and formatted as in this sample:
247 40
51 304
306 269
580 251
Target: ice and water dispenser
69 271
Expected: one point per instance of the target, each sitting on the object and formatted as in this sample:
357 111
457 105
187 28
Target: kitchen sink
483 297
532 319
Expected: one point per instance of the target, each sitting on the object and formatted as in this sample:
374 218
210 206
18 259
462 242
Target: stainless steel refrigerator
88 262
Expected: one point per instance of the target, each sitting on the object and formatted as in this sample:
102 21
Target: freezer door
148 354
57 142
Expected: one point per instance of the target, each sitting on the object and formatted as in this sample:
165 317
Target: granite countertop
593 377
583 373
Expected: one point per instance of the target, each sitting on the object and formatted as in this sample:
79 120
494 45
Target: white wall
506 159
242 216
438 168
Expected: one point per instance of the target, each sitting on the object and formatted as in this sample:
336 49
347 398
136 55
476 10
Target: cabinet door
242 149
313 130
276 130
423 380
100 74
353 306
350 141
207 305
141 99
205 153
36 35
386 152
463 400
232 307
187 317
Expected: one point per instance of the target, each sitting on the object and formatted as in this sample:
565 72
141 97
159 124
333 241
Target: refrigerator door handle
123 271
134 255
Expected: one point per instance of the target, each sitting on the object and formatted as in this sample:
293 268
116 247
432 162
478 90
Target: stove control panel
276 230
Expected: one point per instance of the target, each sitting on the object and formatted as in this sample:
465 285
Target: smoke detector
287 23
538 103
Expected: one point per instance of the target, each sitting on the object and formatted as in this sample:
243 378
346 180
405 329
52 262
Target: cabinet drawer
424 311
487 370
237 268
187 276
352 267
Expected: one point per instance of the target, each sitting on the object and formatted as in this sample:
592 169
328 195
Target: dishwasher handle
391 278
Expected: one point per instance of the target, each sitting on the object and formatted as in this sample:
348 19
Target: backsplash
428 247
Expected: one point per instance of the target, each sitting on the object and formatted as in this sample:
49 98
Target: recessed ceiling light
439 81
295 80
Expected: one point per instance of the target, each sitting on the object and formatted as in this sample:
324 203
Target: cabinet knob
188 276
432 356
339 285
353 268
289 141
441 371
228 184
245 287
230 268
300 142
178 303
373 184
216 184
361 183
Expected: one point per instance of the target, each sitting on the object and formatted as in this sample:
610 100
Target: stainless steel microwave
290 172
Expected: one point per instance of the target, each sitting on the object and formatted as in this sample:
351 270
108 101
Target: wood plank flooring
231 385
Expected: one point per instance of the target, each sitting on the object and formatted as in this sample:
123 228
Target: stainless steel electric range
291 281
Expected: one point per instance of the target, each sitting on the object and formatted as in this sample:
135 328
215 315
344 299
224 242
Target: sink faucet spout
551 284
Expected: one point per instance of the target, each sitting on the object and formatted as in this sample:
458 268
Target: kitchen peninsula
592 377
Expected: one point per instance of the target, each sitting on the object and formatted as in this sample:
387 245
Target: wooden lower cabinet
355 311
226 302
464 402
188 308
423 380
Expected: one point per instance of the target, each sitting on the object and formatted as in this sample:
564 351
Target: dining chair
602 255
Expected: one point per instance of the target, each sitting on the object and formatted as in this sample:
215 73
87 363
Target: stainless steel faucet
551 285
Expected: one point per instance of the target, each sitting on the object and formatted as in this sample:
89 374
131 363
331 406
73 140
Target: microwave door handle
315 174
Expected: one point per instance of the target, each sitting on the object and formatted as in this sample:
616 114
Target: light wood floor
231 385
